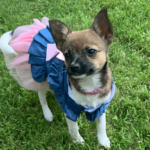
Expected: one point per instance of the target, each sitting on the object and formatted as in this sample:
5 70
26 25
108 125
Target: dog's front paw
104 141
77 138
47 114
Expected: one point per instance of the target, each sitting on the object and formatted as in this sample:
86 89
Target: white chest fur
89 84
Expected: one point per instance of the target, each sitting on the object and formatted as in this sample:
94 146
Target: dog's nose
74 67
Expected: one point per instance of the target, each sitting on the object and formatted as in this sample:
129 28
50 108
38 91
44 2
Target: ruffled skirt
18 64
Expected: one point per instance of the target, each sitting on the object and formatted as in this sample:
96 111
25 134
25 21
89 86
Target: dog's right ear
59 32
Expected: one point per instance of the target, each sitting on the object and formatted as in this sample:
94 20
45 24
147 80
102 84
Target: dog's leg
46 111
101 131
74 133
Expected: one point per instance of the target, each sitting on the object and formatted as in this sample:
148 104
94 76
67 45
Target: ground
22 125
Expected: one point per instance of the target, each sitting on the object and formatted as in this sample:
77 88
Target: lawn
22 126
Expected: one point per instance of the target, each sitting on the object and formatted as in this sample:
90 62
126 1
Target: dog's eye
91 51
67 55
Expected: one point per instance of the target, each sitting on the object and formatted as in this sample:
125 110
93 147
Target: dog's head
85 51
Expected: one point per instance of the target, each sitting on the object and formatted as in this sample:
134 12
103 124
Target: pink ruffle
18 65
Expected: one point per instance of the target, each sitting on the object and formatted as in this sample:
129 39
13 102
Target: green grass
22 126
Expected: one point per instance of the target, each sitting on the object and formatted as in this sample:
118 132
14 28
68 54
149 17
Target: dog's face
85 51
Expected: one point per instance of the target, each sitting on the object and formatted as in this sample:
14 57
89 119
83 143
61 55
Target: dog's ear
59 32
102 26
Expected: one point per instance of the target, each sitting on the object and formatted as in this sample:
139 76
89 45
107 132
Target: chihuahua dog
89 77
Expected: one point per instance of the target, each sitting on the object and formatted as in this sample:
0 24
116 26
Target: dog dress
39 65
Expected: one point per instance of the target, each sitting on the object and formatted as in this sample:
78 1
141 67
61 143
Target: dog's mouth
83 72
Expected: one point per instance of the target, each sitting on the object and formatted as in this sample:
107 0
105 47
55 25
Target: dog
87 86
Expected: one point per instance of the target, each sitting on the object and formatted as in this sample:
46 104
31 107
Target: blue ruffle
37 58
58 81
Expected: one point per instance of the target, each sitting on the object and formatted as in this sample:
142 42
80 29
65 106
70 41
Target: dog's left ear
59 32
102 26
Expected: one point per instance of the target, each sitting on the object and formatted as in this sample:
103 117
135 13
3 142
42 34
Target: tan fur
80 39
100 59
